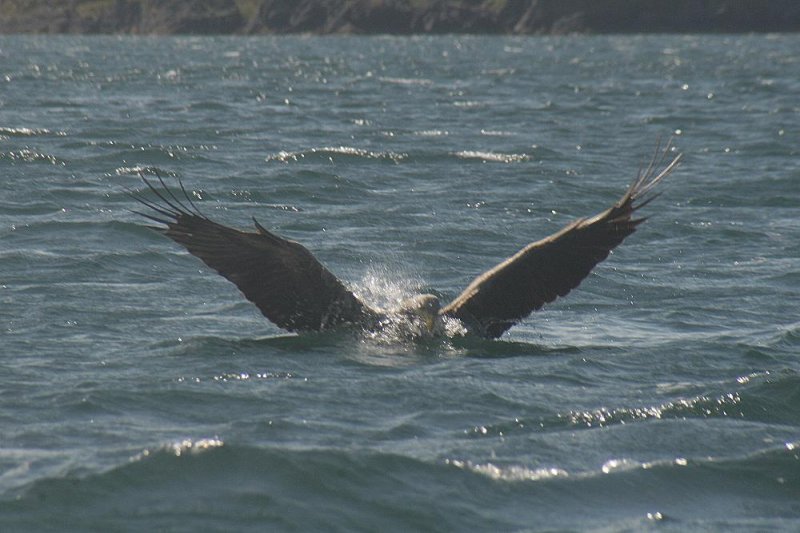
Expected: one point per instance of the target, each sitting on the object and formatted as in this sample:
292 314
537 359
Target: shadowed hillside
397 16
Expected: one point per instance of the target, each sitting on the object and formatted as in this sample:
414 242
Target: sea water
139 391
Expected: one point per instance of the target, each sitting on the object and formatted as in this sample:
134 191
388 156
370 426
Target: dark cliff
397 16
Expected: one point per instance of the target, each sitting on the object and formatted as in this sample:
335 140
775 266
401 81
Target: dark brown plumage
551 267
281 277
296 292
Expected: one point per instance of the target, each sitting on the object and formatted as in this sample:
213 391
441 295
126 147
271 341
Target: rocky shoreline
397 16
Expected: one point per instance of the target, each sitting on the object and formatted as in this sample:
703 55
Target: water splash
387 290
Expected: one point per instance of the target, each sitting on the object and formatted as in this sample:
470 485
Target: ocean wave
406 81
468 104
495 133
790 335
508 473
201 482
432 133
139 170
761 397
328 153
28 132
493 157
758 486
28 155
112 153
702 406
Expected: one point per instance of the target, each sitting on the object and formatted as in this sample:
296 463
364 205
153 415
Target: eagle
294 290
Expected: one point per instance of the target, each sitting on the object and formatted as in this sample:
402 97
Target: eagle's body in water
296 292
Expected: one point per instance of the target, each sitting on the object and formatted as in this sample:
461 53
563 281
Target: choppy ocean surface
140 391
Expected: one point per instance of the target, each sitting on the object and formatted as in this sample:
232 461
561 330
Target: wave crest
331 152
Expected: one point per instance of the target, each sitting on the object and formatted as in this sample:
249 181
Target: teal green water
140 392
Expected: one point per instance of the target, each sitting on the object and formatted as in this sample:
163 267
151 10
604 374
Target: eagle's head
423 311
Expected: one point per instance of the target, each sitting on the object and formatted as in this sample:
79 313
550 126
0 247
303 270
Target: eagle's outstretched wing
551 267
281 277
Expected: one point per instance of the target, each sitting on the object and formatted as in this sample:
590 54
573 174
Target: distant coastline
397 16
